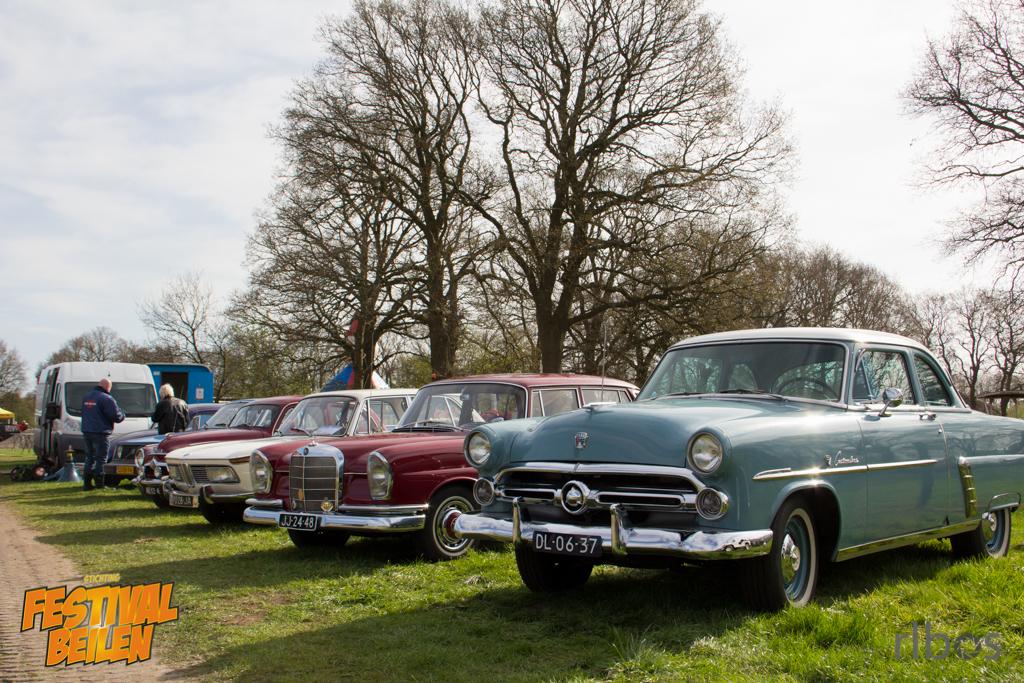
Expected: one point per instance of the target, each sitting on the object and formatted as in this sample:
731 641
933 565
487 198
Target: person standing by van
99 413
171 414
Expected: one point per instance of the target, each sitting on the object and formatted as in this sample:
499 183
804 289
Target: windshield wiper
754 392
431 425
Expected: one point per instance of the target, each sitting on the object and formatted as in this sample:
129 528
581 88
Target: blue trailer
193 383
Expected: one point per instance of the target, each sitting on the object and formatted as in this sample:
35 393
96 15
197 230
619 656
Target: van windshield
136 400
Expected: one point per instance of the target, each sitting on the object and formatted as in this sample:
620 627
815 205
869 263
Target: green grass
254 607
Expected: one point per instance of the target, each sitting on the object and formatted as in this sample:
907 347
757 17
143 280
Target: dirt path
26 563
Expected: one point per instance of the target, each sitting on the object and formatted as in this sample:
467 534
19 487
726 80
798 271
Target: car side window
601 396
559 400
536 406
935 392
878 370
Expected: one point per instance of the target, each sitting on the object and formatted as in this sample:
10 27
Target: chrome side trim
898 465
788 473
1004 500
619 538
905 539
967 485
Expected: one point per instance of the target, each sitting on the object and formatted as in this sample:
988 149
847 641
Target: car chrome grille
312 478
653 488
199 475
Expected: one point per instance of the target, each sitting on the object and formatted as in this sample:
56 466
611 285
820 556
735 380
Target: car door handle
927 415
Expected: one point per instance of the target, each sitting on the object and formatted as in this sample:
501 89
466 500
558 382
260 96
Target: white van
59 395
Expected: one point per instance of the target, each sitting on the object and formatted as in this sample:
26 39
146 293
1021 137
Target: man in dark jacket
171 414
99 413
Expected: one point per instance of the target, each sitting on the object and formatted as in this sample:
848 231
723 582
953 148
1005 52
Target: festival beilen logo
98 624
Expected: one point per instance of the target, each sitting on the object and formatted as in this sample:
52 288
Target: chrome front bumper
351 518
163 485
207 493
619 538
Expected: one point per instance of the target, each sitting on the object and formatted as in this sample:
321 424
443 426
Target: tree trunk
442 316
551 340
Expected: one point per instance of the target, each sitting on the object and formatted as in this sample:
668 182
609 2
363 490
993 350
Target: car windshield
135 400
255 415
810 370
461 406
324 415
222 418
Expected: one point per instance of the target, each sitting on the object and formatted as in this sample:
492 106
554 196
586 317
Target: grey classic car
778 449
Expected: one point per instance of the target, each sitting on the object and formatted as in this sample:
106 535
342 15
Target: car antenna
604 353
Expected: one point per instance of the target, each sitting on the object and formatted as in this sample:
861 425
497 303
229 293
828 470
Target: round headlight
261 472
483 492
139 457
478 449
706 453
712 504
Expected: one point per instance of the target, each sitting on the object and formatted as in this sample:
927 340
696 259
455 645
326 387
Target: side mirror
52 411
891 398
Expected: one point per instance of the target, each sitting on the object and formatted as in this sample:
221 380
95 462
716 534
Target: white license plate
567 544
294 520
153 491
182 500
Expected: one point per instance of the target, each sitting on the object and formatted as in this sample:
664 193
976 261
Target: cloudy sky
133 142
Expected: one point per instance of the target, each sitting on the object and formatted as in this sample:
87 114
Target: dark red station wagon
255 419
405 481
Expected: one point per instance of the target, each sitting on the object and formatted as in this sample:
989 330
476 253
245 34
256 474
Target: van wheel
544 573
221 514
317 539
990 539
435 542
788 574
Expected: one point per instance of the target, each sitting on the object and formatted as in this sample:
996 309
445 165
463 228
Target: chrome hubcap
444 538
790 559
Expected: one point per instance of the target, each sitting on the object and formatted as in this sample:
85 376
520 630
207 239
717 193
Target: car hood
183 439
357 448
224 450
654 432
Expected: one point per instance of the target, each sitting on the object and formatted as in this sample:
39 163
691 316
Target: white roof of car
842 334
360 394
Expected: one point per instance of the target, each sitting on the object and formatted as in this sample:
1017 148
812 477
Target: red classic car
252 420
408 479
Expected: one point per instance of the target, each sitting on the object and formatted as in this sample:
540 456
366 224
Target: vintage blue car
777 448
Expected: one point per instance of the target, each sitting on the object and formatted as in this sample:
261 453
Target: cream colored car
215 477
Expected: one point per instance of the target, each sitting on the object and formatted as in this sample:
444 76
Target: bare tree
1007 340
819 287
602 106
98 345
333 251
972 85
12 370
393 95
186 318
